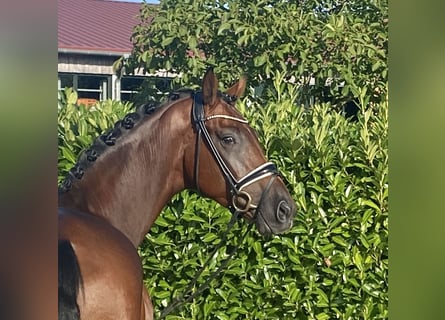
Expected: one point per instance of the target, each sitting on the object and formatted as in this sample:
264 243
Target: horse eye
228 140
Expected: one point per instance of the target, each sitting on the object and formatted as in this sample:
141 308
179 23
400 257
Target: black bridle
236 186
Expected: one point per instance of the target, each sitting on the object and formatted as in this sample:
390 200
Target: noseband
236 185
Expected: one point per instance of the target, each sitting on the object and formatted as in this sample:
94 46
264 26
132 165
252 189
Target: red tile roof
96 25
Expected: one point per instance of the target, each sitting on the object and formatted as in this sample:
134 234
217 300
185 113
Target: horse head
227 162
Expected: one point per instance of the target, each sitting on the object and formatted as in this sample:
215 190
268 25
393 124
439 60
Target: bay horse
112 196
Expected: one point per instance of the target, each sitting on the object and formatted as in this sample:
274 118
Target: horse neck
130 184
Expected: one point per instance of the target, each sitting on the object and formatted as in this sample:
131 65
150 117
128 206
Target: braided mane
121 127
111 136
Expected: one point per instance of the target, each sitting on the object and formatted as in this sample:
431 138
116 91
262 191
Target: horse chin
254 217
263 228
266 229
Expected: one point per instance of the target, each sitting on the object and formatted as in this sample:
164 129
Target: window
130 86
65 81
87 86
102 87
92 87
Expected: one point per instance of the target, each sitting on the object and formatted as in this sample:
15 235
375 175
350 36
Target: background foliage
79 125
330 48
331 265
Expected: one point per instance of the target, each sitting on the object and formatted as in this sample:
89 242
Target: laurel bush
79 125
333 264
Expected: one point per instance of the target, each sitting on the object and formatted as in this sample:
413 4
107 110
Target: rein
182 299
267 169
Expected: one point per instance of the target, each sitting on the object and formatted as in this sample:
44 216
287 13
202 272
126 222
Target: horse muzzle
273 213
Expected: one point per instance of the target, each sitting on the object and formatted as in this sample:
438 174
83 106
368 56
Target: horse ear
209 88
238 88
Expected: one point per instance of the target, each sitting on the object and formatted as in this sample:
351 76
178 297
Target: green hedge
79 125
333 264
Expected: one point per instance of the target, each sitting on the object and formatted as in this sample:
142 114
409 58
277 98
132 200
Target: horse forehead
227 109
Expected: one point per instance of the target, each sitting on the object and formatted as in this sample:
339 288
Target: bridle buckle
246 197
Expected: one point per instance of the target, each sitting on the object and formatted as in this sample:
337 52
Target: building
92 35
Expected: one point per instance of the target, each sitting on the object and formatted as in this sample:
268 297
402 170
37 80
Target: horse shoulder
109 264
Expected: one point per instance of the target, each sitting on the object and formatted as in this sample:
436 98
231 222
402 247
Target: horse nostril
283 211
